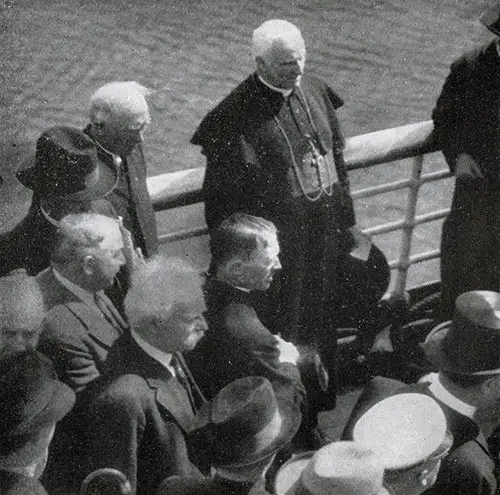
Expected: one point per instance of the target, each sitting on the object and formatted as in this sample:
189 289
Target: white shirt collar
164 358
448 398
82 294
498 46
283 91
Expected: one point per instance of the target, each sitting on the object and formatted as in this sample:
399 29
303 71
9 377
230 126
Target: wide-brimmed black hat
67 165
469 344
30 398
244 423
491 19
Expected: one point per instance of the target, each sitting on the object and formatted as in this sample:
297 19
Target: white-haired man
274 150
81 324
118 116
144 406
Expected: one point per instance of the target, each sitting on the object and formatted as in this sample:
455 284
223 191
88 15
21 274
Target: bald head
279 52
165 304
118 114
21 314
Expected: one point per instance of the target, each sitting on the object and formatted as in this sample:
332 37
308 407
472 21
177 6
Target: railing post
409 225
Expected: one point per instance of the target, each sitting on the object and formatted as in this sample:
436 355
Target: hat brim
291 418
107 181
287 479
433 347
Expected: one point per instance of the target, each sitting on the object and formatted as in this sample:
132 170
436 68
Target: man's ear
88 264
235 267
260 64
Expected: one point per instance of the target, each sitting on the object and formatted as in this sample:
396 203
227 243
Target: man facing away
119 115
141 410
467 122
274 149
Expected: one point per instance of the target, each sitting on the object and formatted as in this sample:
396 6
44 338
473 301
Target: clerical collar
437 389
283 91
84 295
497 44
164 358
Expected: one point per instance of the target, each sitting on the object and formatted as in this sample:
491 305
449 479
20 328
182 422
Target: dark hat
469 344
66 165
491 19
244 423
30 398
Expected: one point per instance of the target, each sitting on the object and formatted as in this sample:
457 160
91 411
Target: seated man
21 314
31 402
238 433
141 410
81 324
245 257
466 351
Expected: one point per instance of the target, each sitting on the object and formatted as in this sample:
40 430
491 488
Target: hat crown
472 343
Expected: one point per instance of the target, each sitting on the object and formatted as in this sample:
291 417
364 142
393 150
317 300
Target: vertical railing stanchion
407 231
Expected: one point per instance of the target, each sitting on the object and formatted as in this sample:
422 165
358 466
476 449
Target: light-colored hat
403 430
339 468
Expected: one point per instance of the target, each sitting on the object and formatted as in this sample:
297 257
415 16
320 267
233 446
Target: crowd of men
124 371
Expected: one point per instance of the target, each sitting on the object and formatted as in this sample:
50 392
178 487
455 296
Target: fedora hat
342 468
66 165
244 423
30 398
404 430
491 19
469 344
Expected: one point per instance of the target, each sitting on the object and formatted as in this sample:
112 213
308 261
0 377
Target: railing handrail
182 188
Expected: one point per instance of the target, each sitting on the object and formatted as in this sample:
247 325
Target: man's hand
467 168
288 352
133 256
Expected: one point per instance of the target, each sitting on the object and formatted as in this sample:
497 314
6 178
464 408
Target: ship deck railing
414 141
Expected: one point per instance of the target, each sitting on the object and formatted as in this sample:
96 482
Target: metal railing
176 189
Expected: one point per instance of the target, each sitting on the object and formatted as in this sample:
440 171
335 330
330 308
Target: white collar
164 358
84 295
283 91
440 392
498 46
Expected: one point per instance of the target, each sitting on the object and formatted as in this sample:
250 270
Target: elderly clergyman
274 150
119 115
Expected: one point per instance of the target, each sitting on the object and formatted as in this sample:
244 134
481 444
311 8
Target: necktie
183 379
110 312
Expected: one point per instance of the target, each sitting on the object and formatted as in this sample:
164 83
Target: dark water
387 58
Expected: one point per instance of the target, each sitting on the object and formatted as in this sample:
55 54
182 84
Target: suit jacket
76 336
176 485
17 484
467 120
469 467
131 198
237 344
137 417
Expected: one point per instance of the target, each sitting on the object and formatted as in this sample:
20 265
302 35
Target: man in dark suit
466 351
274 149
119 115
141 410
81 323
467 121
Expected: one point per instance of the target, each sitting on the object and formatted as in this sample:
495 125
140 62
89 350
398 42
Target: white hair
272 31
157 288
116 99
79 233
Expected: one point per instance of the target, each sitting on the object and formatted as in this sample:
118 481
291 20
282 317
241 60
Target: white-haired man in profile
274 150
119 115
146 403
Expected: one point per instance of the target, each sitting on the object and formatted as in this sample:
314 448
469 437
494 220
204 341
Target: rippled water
387 58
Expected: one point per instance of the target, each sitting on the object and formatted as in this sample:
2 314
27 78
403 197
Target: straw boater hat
243 424
469 344
66 166
404 430
340 468
491 19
